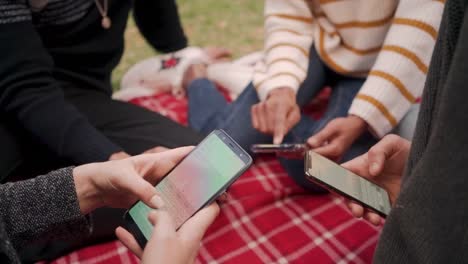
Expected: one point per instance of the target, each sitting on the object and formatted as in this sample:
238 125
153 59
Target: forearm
398 76
288 37
44 208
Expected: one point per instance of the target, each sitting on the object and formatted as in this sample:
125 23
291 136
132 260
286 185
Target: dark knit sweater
44 50
42 208
429 223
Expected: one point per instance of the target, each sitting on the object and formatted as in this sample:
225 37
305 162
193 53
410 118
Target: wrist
359 123
86 191
282 92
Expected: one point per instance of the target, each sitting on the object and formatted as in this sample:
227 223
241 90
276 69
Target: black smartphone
278 148
195 182
288 151
337 179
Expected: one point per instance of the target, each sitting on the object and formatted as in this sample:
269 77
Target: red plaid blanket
267 219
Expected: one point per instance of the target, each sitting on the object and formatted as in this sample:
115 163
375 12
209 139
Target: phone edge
339 192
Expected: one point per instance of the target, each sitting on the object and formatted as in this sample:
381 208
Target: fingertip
373 218
118 231
128 240
138 187
185 150
211 212
278 139
255 124
157 202
153 217
254 117
253 109
215 208
347 165
122 234
312 141
356 210
327 151
223 198
375 168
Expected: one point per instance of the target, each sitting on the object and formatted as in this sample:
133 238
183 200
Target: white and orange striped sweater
389 41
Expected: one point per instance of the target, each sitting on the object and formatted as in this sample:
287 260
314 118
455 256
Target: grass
236 25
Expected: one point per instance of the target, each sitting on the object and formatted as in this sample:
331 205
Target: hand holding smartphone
193 183
339 180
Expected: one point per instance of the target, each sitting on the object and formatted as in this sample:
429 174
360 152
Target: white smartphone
339 180
194 183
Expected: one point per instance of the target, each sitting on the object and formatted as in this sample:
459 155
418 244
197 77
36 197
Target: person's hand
337 136
277 114
120 183
217 54
119 155
383 164
168 245
157 149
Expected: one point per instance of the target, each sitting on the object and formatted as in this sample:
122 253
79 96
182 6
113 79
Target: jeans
407 125
209 110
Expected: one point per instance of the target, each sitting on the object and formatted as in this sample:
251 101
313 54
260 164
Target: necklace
105 22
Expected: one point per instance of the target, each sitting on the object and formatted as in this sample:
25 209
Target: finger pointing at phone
277 114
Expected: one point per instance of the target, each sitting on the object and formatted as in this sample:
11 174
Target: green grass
236 25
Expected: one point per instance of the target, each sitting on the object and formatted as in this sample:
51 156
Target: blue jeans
407 125
209 110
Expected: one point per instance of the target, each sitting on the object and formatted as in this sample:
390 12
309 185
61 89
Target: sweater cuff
264 89
379 124
44 208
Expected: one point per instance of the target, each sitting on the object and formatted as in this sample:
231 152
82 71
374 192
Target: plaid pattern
267 218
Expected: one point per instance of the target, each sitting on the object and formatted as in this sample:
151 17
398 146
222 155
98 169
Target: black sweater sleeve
31 96
429 222
159 23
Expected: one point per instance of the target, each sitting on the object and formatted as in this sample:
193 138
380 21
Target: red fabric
267 219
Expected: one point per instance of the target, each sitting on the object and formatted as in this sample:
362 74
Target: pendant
106 22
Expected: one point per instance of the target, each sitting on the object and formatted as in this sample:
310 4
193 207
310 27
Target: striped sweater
388 41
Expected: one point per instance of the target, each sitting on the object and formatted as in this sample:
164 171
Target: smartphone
339 180
278 148
195 182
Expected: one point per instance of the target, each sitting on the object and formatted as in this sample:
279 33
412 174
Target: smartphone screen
344 181
196 181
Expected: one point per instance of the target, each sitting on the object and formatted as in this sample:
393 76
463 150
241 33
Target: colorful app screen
204 172
349 183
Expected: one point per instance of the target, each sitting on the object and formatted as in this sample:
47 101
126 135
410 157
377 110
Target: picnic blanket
267 218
